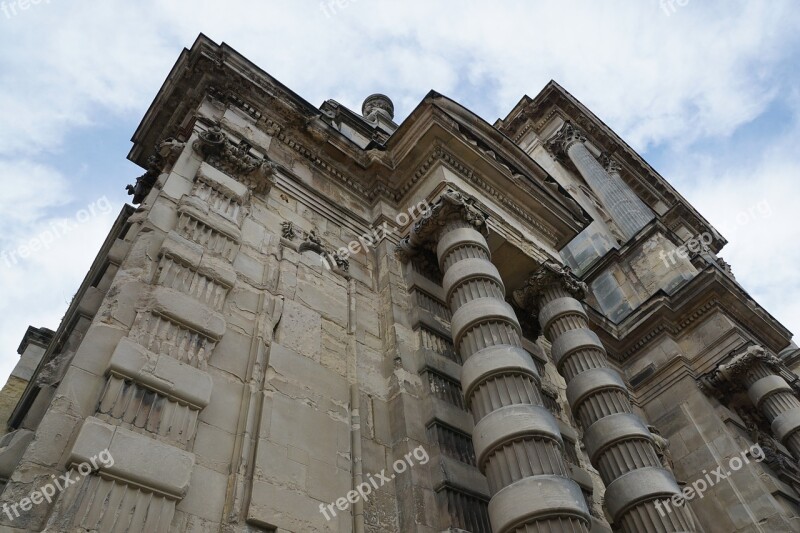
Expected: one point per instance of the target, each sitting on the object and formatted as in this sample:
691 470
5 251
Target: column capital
451 206
564 138
549 274
732 370
610 164
741 363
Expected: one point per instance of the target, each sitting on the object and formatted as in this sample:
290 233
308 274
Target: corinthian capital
610 164
451 206
566 136
742 363
548 275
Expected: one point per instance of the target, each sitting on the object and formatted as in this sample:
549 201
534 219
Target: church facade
314 319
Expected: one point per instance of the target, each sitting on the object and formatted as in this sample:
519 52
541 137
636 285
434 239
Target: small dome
377 103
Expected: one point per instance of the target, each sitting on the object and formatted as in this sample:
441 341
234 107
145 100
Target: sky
706 91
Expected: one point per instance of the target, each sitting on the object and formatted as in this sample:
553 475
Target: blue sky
707 91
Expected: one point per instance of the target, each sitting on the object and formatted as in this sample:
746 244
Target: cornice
387 169
710 291
554 100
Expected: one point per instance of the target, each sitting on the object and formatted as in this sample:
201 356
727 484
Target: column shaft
618 443
775 398
517 441
629 215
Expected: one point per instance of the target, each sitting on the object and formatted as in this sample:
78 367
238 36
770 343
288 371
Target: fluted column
517 441
758 371
628 211
617 441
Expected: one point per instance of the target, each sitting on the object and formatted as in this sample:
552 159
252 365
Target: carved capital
548 275
726 378
740 364
452 205
610 164
564 138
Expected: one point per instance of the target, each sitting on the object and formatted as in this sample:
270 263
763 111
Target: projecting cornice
709 292
554 101
210 80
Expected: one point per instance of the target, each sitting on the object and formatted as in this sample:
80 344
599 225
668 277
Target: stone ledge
137 460
192 254
461 476
163 374
188 311
196 208
441 411
428 359
219 181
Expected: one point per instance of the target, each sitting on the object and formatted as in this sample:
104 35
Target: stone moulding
163 374
137 460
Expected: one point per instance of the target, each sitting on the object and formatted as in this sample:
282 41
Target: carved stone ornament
166 153
259 175
144 183
662 448
170 149
450 206
549 274
726 378
610 164
565 137
743 362
288 230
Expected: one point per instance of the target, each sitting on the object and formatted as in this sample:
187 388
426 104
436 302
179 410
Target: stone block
300 329
206 495
222 182
161 373
188 311
137 459
226 401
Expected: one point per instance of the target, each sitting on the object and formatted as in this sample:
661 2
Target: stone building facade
517 327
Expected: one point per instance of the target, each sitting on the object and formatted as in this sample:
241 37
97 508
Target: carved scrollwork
743 362
258 174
